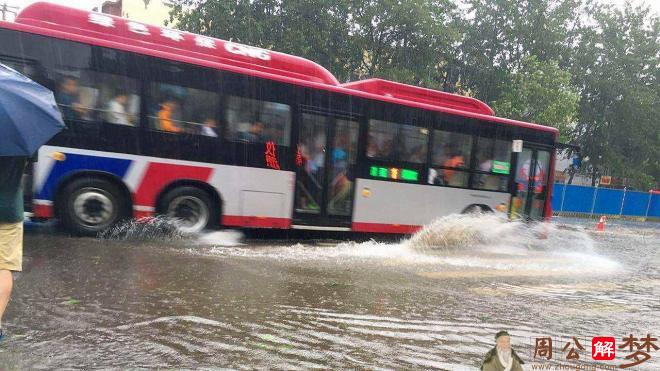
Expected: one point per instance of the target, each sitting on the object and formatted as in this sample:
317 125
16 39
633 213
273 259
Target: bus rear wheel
91 205
190 207
477 210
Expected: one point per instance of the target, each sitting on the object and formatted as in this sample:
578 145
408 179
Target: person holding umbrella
28 118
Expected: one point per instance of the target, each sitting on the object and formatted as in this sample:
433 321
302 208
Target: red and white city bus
216 133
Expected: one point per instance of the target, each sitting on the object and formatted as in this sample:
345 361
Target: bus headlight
58 156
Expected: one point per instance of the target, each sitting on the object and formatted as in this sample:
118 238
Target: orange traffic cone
600 227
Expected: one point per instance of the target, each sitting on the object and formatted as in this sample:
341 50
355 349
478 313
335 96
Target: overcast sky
89 4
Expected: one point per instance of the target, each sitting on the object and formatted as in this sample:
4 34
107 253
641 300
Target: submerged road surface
434 301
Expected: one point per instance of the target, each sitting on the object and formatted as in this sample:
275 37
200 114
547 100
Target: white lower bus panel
396 207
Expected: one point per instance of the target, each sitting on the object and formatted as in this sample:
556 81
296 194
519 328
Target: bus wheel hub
191 213
93 207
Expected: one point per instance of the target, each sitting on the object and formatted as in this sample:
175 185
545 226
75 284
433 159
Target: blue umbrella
28 114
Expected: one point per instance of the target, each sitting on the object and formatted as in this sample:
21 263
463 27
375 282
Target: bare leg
6 282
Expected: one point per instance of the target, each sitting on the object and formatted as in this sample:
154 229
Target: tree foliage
499 35
540 92
616 67
589 69
402 40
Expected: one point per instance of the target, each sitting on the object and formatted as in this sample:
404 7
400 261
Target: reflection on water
434 300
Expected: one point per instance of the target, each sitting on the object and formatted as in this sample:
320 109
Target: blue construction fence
604 201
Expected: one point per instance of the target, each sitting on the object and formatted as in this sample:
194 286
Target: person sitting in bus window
209 129
68 97
485 164
339 153
254 134
169 111
372 147
115 110
417 155
435 177
388 148
456 160
316 161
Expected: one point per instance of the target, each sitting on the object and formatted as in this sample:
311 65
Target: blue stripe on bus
74 162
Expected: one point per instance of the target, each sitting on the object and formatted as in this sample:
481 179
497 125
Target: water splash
456 231
145 229
221 238
497 234
455 245
493 245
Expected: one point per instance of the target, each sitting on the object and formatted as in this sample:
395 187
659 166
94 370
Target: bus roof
422 95
108 27
119 33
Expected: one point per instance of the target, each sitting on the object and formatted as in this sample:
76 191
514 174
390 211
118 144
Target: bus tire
91 205
477 210
191 206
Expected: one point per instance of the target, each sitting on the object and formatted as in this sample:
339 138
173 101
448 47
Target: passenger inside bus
116 112
341 184
308 179
372 147
456 160
254 134
339 154
68 97
387 149
485 162
168 115
417 155
210 128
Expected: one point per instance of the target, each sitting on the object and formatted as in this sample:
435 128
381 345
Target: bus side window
255 121
493 165
450 159
30 68
96 96
179 110
396 142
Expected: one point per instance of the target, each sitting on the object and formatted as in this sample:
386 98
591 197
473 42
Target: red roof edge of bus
76 21
218 63
421 95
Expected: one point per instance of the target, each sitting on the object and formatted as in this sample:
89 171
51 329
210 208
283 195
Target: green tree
406 41
616 66
314 29
540 92
499 35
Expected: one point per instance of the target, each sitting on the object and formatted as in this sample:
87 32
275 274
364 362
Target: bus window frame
400 115
243 86
474 129
196 77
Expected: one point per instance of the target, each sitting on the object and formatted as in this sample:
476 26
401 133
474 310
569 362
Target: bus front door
531 180
325 170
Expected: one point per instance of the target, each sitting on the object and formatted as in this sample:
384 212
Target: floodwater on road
432 301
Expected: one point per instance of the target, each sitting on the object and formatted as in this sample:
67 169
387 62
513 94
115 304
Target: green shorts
11 246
